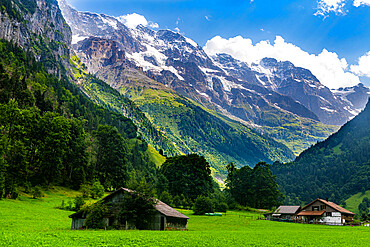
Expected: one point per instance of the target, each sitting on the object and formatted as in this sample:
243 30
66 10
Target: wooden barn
165 216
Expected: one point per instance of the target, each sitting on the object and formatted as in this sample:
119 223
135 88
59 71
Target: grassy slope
194 128
35 222
299 133
355 200
103 95
155 156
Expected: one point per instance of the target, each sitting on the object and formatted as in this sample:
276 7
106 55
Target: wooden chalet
324 212
165 217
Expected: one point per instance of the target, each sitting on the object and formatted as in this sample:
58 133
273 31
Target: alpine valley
122 124
181 99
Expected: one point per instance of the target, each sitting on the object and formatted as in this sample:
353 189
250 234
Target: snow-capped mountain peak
234 86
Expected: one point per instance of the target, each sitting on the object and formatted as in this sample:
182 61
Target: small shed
286 213
283 213
165 217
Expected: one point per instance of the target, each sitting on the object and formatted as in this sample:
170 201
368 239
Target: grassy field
355 200
36 222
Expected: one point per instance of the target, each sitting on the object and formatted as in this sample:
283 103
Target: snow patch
259 79
78 38
111 22
192 42
207 70
327 109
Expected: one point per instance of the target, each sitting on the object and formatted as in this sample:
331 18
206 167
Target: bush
36 192
177 201
97 190
95 215
79 201
203 205
85 189
221 207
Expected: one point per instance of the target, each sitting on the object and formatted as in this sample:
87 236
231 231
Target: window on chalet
322 207
315 208
328 214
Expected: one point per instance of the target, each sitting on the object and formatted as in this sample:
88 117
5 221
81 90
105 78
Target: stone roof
287 210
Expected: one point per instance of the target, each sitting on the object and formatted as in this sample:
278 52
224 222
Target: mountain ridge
175 61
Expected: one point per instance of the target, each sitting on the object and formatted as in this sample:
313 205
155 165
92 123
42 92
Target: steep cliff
38 26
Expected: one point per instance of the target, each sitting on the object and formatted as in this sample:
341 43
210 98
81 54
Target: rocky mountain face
178 63
355 96
38 26
86 24
298 83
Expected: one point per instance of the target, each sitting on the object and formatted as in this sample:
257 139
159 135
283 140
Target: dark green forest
253 187
52 134
336 168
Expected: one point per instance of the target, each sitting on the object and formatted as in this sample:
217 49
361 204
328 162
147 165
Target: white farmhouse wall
332 220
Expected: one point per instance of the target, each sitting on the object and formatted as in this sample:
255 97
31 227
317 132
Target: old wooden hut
165 216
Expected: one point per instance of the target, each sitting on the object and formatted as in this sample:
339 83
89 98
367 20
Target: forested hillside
336 168
51 134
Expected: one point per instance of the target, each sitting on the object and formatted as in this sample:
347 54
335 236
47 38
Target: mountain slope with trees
51 132
336 168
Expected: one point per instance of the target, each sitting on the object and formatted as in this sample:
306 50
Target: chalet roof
160 206
311 213
330 204
287 210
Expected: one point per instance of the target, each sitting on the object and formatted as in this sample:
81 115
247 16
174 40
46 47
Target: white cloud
134 19
207 18
358 3
324 7
177 30
331 70
153 24
363 67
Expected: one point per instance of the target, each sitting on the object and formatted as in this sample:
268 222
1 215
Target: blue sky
339 26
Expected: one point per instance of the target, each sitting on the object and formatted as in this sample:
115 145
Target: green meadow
355 200
36 222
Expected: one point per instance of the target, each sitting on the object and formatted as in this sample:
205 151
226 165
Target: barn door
162 223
